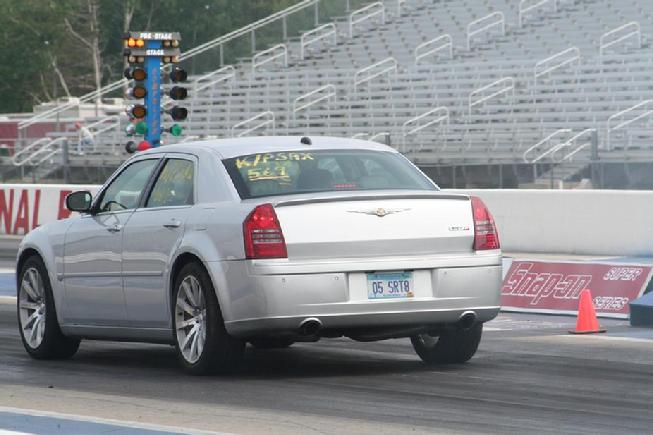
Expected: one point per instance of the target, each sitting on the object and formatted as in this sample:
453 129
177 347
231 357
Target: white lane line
7 270
107 421
610 338
7 300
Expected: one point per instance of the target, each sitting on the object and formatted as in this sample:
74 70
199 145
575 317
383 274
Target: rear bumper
264 297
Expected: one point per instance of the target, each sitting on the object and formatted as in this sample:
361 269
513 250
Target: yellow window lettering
307 156
240 163
281 157
294 156
257 160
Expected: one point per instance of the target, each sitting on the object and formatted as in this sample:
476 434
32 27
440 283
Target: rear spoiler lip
303 201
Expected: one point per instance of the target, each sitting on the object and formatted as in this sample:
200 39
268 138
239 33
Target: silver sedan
270 240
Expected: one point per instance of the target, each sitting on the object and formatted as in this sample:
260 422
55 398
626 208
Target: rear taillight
485 232
263 235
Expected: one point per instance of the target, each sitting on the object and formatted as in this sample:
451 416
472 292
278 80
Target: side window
174 186
125 190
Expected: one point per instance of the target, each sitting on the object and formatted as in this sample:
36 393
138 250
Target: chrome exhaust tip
466 320
310 326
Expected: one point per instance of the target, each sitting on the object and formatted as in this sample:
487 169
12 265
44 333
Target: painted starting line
25 421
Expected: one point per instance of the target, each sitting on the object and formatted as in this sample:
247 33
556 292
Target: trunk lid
376 226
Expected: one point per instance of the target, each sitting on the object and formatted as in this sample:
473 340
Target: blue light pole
153 97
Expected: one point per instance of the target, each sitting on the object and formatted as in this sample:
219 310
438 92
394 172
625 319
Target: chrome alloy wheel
31 305
190 319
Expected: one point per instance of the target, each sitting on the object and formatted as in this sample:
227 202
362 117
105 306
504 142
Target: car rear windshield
295 172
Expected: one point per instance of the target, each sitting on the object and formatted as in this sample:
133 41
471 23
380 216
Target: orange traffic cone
587 322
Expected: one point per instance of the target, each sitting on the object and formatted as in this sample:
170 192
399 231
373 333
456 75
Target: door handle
174 223
115 228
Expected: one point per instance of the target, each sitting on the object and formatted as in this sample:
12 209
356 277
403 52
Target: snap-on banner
554 287
24 207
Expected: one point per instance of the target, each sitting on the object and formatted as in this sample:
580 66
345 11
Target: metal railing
440 116
272 54
624 122
495 19
364 75
507 85
570 142
213 78
628 31
324 32
544 141
526 6
264 119
557 61
435 45
323 93
366 13
218 42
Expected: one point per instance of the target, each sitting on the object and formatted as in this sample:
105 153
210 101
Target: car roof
233 147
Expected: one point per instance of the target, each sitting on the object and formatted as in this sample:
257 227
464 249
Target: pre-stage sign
554 287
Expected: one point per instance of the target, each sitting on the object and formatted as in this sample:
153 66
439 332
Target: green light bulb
175 130
141 128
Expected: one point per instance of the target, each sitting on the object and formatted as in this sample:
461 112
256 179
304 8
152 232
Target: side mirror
79 201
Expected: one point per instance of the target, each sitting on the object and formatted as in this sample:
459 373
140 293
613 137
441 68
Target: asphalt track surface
529 376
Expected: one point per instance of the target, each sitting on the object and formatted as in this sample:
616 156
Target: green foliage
46 46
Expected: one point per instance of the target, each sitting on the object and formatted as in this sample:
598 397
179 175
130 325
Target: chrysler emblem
379 212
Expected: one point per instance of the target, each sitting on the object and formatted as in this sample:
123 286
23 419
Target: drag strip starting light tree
145 53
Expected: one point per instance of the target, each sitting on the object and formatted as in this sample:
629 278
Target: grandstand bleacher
449 83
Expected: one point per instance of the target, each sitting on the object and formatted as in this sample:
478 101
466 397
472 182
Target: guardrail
267 120
386 66
632 30
624 122
440 116
546 140
318 34
495 19
431 47
508 86
366 13
279 51
562 58
526 6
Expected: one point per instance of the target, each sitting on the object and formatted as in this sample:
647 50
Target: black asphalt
527 377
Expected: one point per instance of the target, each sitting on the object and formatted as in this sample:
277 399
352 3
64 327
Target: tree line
57 48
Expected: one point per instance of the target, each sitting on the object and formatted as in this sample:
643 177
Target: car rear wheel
37 318
202 342
271 343
452 346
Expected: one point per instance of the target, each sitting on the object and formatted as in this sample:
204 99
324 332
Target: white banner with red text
24 207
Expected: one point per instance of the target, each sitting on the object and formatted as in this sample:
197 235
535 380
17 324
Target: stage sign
554 287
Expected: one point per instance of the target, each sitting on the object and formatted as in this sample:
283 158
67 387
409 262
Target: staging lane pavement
527 376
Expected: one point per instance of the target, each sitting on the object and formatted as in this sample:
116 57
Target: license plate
390 285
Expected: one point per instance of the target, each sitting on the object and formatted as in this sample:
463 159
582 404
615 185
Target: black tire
453 346
271 343
54 345
221 352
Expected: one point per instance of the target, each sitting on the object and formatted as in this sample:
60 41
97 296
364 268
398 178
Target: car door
93 250
151 237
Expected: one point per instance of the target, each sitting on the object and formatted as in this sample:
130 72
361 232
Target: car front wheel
452 346
202 342
37 317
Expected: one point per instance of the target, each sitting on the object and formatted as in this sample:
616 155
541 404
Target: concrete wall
598 222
